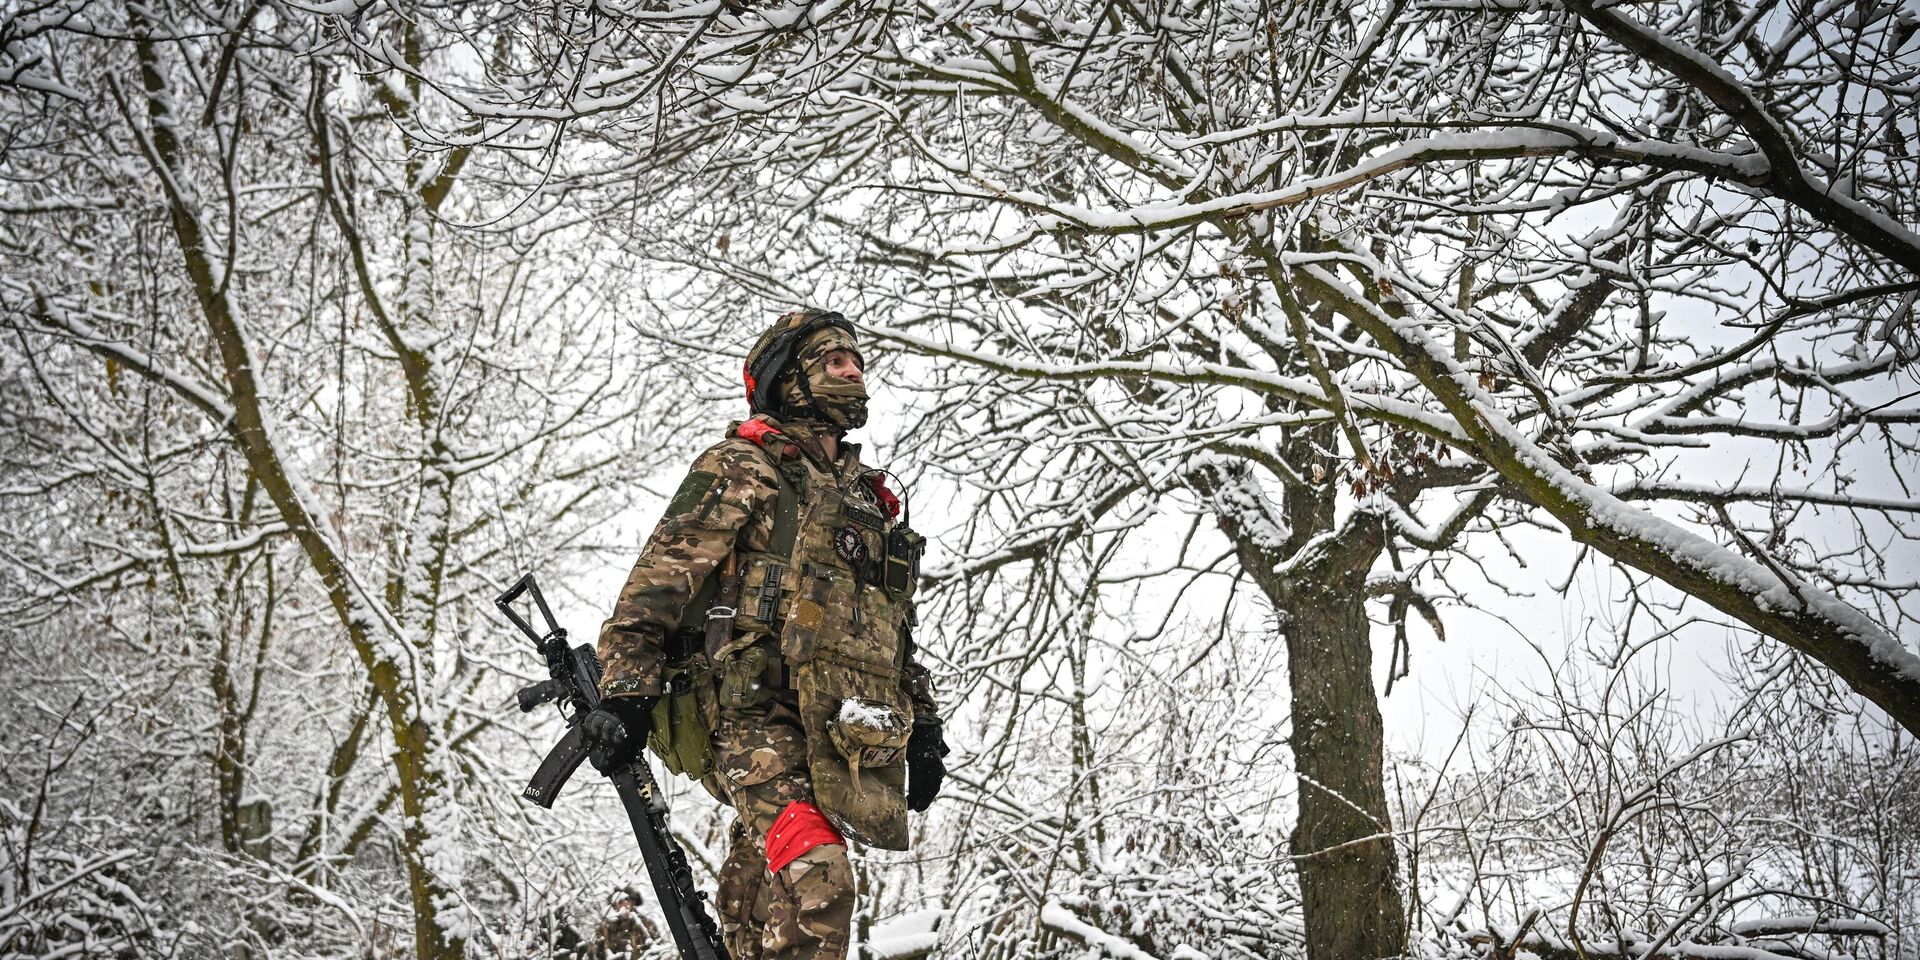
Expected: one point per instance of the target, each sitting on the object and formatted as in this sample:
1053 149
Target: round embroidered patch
850 545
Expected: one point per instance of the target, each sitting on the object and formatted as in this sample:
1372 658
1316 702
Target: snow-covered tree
279 429
1361 285
1236 327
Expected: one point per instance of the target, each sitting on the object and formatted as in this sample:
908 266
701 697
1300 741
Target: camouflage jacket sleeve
726 488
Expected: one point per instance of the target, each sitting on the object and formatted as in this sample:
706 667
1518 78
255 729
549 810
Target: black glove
925 769
616 730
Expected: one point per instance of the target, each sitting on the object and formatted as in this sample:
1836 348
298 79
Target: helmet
786 374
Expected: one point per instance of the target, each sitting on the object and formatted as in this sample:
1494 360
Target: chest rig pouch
743 651
843 643
832 594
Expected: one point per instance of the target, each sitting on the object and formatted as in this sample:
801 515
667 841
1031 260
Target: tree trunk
229 747
427 891
419 780
1341 845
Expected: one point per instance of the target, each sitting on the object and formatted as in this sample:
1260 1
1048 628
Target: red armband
798 828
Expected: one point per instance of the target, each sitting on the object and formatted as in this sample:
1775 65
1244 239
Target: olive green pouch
679 735
743 677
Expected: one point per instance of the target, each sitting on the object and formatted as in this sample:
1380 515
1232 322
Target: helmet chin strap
819 415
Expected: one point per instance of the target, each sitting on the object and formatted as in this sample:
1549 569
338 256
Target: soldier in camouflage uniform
623 934
770 614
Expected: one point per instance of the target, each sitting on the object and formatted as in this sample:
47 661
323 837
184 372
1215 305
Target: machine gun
573 681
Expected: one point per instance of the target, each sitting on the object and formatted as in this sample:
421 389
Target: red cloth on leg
799 828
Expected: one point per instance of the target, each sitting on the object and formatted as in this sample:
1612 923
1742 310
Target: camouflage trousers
805 911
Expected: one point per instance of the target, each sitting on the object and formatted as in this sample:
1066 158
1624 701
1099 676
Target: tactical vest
835 587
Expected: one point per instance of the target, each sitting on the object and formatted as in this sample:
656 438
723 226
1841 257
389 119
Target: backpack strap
785 456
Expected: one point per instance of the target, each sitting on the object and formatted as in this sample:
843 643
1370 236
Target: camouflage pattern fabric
813 354
811 359
804 912
624 935
842 642
846 644
843 402
725 502
791 320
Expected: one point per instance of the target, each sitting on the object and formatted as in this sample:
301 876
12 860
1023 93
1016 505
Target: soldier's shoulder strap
761 432
788 469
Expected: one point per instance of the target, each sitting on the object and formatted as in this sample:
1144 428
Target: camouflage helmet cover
786 374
